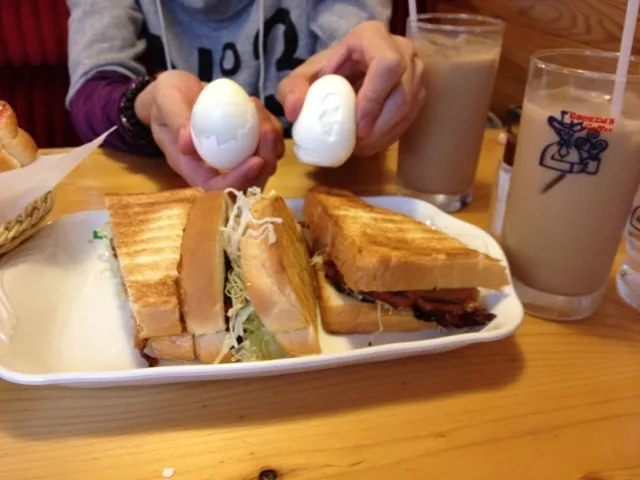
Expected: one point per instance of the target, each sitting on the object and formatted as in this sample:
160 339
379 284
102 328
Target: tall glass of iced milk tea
438 154
576 171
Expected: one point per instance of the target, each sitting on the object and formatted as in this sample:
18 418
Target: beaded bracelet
132 124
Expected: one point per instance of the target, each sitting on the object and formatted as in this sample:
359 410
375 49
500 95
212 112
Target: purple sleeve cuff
94 110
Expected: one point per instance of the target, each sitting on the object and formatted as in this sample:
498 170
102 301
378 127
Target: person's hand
166 104
387 76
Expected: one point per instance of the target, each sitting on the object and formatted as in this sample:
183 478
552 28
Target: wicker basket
19 229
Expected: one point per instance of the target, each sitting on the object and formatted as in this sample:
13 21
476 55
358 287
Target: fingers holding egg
245 175
271 144
325 132
225 125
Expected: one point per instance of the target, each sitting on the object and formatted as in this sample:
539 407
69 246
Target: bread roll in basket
18 149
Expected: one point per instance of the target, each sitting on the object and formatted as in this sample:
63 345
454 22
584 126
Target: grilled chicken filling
456 308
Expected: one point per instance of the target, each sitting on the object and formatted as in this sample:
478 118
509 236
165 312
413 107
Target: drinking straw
626 44
628 34
413 12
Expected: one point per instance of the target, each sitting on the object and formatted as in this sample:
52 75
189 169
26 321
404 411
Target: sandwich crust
299 342
202 267
279 280
343 314
377 249
169 347
209 346
173 347
202 275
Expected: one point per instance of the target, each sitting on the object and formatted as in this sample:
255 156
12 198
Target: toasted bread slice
148 231
279 280
209 345
173 347
343 314
169 347
202 275
377 249
299 342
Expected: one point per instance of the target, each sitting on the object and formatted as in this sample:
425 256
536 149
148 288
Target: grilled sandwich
214 276
278 278
246 283
147 240
202 276
380 270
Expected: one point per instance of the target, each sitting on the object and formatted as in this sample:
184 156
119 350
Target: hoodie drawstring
163 35
167 56
261 51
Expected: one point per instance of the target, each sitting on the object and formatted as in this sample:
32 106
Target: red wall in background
33 68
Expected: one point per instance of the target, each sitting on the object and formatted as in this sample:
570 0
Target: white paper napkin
20 187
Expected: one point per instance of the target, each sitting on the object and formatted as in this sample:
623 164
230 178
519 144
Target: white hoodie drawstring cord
261 80
163 35
261 51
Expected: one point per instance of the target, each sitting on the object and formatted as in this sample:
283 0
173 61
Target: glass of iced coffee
576 170
438 155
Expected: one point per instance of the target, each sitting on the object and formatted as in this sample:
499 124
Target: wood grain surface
555 401
534 25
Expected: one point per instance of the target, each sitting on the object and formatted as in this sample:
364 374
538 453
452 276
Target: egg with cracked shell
225 127
325 132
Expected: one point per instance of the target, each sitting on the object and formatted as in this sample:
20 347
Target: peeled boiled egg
325 132
224 124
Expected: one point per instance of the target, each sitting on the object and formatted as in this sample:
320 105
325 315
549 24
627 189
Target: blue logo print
634 221
578 150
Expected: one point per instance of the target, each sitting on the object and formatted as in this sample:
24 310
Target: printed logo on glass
579 147
634 220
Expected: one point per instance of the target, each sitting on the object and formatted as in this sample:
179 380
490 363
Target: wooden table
556 401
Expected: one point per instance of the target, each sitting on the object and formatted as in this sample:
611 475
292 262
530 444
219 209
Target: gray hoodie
210 38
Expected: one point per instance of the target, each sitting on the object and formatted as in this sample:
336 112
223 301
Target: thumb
242 177
174 113
174 103
291 92
293 89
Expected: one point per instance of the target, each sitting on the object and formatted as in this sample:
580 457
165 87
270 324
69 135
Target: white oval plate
73 324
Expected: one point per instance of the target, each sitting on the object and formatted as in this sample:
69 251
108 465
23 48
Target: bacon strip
426 305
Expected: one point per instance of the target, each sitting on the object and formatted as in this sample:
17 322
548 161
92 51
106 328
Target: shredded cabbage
240 218
248 338
258 342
